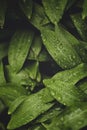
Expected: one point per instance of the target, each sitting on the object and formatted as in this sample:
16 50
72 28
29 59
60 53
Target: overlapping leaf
54 9
22 41
62 85
59 48
35 104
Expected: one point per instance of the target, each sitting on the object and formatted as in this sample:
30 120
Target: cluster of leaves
43 64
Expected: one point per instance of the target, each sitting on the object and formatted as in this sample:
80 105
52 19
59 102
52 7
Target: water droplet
57 124
80 122
29 16
28 40
44 40
26 88
59 98
53 93
72 57
62 119
74 20
64 103
74 74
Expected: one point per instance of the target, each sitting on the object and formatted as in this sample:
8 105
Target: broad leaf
9 92
54 9
79 46
19 48
59 48
15 104
62 85
35 104
73 118
47 116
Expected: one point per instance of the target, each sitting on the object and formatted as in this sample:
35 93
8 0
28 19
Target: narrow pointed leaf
26 6
73 118
59 48
84 13
15 104
80 25
62 85
35 104
19 48
78 45
49 115
54 9
8 93
21 78
32 69
39 17
35 48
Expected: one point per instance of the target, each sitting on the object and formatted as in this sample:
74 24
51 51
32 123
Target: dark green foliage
43 65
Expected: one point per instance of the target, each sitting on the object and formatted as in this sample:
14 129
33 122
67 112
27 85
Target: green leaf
80 25
59 48
3 7
32 69
79 46
38 127
54 9
35 47
26 7
73 118
19 48
47 116
2 77
15 104
62 85
21 78
39 17
39 76
44 56
9 92
35 104
84 12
